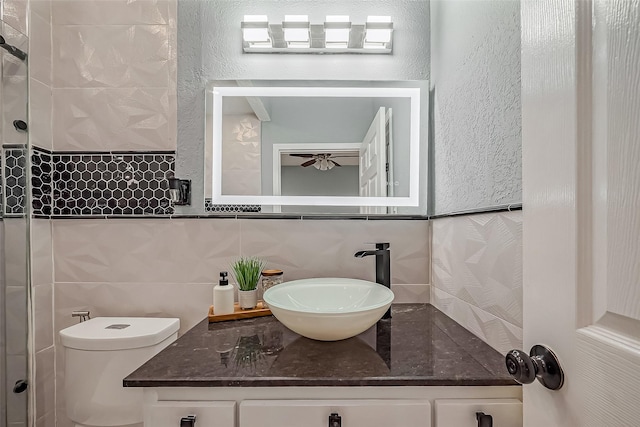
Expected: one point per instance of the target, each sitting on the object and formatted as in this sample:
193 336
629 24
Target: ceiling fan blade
308 163
335 163
352 155
301 155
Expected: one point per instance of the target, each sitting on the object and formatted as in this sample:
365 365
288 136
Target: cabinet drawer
353 413
208 414
462 412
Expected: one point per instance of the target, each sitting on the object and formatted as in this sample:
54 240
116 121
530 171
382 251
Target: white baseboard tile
406 293
499 334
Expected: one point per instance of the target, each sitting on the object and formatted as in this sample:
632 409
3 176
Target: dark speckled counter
419 346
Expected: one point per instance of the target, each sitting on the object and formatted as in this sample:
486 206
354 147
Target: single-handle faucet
383 267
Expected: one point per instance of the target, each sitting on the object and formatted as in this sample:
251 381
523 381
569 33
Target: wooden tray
239 313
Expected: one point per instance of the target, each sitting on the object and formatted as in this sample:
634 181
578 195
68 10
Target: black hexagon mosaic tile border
93 183
98 184
112 184
213 208
14 164
41 185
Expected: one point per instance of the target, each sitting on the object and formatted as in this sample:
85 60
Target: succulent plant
246 271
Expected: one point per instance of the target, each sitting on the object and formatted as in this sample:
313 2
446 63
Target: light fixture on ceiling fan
321 161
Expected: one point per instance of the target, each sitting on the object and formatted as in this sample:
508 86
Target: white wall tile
41 252
61 403
111 12
308 248
40 100
172 65
14 13
40 9
193 251
478 259
40 42
47 420
45 382
15 259
16 403
411 293
112 119
110 56
499 334
14 98
326 248
16 320
189 302
149 251
43 313
241 151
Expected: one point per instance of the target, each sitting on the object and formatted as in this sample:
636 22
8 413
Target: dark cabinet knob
335 420
540 364
188 421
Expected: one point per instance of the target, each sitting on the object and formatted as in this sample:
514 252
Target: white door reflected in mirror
258 138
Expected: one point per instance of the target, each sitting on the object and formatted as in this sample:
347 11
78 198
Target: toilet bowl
99 354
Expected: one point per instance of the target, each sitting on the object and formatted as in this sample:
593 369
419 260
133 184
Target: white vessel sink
328 309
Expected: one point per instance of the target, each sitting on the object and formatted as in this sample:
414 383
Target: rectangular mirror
321 147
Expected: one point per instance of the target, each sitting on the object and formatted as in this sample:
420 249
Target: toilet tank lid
118 333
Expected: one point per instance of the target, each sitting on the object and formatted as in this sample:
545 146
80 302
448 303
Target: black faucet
383 267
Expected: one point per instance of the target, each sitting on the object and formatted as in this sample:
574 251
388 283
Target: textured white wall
475 73
210 48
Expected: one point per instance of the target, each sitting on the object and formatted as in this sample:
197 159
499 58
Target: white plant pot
248 299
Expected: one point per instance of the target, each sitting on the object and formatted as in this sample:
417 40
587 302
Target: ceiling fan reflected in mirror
321 161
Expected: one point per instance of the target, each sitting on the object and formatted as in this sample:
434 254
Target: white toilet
99 353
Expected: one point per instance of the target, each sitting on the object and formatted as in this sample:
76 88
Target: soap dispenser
223 296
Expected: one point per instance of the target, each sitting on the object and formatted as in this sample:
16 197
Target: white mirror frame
413 94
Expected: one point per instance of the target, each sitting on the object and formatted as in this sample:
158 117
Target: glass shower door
14 228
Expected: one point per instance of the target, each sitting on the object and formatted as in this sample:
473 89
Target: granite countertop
419 346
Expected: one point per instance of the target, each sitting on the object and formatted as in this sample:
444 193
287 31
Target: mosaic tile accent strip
112 184
41 177
210 207
15 182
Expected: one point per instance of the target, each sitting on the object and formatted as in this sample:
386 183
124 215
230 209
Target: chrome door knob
540 363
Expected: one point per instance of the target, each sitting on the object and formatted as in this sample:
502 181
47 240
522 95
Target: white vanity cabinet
462 412
335 413
375 406
209 414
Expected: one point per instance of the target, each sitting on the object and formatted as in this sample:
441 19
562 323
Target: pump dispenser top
223 278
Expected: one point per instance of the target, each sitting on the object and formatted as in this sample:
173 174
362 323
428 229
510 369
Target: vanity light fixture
296 31
255 31
378 32
337 29
336 35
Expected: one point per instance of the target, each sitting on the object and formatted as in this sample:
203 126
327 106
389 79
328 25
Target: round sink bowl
328 309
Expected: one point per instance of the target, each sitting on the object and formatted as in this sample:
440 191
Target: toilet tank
99 354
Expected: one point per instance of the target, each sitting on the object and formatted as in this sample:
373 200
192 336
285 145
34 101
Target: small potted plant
246 271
